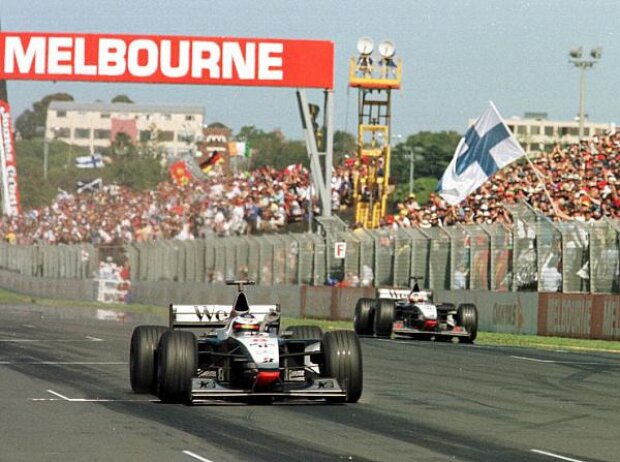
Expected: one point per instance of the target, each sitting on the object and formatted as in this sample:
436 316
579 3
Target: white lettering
14 53
6 138
11 173
231 53
210 63
133 58
167 68
80 67
59 55
267 62
112 57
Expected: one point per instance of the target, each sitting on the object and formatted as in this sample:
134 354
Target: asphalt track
65 396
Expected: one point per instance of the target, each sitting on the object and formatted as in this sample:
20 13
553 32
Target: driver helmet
245 323
416 297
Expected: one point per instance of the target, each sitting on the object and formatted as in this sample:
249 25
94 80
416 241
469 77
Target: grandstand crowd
578 182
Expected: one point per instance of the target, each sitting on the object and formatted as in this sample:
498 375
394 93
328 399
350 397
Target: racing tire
143 358
177 364
445 307
342 360
305 332
467 317
384 318
363 317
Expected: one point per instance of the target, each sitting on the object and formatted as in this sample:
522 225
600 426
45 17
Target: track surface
65 396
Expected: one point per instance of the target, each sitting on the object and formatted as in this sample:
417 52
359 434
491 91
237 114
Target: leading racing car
238 352
411 313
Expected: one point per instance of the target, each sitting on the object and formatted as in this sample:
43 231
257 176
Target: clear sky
457 55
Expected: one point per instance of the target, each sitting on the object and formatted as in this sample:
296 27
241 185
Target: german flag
211 161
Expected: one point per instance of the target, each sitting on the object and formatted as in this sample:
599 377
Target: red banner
167 59
10 190
179 173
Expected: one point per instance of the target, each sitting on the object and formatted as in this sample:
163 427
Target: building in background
175 129
214 146
536 133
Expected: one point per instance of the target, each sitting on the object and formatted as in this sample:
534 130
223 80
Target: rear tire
384 318
342 360
305 332
363 318
178 361
143 358
467 317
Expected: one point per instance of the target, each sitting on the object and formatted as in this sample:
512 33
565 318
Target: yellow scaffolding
371 176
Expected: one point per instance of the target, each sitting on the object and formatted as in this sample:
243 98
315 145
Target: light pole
575 56
46 150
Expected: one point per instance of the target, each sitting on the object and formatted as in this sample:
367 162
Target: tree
123 146
433 152
272 149
31 123
129 168
122 99
344 144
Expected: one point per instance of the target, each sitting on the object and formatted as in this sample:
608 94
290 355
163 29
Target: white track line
38 340
196 456
65 363
557 456
551 361
91 400
59 395
536 360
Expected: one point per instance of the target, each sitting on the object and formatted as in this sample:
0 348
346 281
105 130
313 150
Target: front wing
208 388
400 330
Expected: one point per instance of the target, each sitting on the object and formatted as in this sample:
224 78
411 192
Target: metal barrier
533 254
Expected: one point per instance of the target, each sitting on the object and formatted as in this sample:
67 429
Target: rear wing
393 294
211 316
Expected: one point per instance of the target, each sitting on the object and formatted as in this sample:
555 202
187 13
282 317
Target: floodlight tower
375 82
575 57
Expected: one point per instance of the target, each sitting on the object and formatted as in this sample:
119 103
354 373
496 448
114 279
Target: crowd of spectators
265 199
579 182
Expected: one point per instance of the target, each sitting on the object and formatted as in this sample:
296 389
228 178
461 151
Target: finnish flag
92 161
486 147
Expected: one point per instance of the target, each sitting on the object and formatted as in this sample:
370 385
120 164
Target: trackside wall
67 289
594 316
508 312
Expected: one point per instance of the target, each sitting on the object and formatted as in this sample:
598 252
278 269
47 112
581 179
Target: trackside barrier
507 312
580 316
35 286
593 316
533 255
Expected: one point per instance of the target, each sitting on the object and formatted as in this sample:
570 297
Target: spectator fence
533 254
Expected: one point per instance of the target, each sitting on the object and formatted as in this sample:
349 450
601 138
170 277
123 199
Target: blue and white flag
92 161
485 148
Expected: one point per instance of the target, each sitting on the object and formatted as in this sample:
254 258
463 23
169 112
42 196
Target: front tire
342 360
363 317
384 318
178 361
467 317
143 358
305 332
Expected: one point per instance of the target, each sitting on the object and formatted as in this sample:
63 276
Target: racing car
411 313
237 352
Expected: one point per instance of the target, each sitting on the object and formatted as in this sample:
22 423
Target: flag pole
542 183
536 171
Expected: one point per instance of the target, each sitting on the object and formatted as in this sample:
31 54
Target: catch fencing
533 254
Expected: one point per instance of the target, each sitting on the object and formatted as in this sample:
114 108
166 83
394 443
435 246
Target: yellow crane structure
375 82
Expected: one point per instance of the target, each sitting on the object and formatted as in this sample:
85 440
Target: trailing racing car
238 352
411 313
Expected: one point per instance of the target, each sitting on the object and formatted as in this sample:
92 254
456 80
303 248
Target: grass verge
484 338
